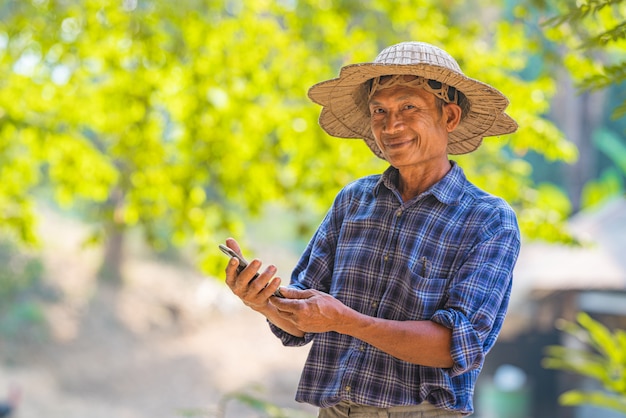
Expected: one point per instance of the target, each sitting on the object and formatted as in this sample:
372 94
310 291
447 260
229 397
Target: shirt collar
448 190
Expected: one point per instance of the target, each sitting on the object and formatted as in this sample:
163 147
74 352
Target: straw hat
345 111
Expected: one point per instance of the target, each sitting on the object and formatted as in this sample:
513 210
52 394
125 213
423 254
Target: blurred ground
168 343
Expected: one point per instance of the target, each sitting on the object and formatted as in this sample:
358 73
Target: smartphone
243 264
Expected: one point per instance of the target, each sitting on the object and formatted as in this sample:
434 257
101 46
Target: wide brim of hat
345 112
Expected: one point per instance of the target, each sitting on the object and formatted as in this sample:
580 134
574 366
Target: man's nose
393 122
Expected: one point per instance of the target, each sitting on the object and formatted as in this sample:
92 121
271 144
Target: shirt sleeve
479 295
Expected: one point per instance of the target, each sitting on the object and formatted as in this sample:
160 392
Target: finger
249 275
231 272
285 305
273 288
278 293
293 293
259 285
239 283
234 245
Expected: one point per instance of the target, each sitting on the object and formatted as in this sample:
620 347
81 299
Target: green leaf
599 399
603 359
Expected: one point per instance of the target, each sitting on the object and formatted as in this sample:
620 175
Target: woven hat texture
345 112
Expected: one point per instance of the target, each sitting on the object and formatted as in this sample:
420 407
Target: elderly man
404 287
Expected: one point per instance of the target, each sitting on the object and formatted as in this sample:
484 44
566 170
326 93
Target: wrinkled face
409 126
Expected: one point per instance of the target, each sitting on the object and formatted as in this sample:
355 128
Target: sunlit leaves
605 187
68 161
610 183
183 118
595 34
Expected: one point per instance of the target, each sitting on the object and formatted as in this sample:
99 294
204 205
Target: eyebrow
399 99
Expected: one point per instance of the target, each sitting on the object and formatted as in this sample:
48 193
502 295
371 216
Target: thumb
293 293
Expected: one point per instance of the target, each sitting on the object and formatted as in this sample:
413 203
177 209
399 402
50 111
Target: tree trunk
578 115
111 268
112 263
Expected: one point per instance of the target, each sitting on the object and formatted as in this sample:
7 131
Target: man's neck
415 180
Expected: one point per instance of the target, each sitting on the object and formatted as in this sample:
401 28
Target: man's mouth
396 143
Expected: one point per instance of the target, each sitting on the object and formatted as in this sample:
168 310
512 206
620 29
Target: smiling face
410 127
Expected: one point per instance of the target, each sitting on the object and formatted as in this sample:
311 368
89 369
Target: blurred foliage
184 118
264 408
20 279
610 183
19 271
603 360
595 33
252 400
590 40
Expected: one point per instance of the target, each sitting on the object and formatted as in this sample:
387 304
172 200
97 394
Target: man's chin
397 160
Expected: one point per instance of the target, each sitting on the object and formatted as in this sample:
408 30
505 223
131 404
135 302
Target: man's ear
452 112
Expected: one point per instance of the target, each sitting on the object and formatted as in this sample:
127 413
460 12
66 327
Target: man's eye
378 111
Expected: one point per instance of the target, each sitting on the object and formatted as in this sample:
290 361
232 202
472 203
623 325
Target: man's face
409 127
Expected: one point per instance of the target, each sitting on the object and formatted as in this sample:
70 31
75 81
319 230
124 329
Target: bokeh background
136 135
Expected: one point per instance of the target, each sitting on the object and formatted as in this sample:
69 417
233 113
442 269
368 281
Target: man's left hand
310 310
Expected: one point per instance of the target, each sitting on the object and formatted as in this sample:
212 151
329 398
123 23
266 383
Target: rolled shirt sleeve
479 296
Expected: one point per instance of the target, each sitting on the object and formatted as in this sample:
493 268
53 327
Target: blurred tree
592 39
588 41
602 359
183 117
596 29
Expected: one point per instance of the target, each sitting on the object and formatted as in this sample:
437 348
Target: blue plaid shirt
445 256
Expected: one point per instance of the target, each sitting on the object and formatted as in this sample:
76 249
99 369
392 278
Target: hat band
441 90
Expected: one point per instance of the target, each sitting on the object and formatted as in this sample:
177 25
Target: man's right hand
254 293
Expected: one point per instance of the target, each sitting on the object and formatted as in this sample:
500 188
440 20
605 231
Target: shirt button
362 348
348 388
399 213
386 258
374 304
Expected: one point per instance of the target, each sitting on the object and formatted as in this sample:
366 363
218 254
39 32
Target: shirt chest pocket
411 294
427 288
